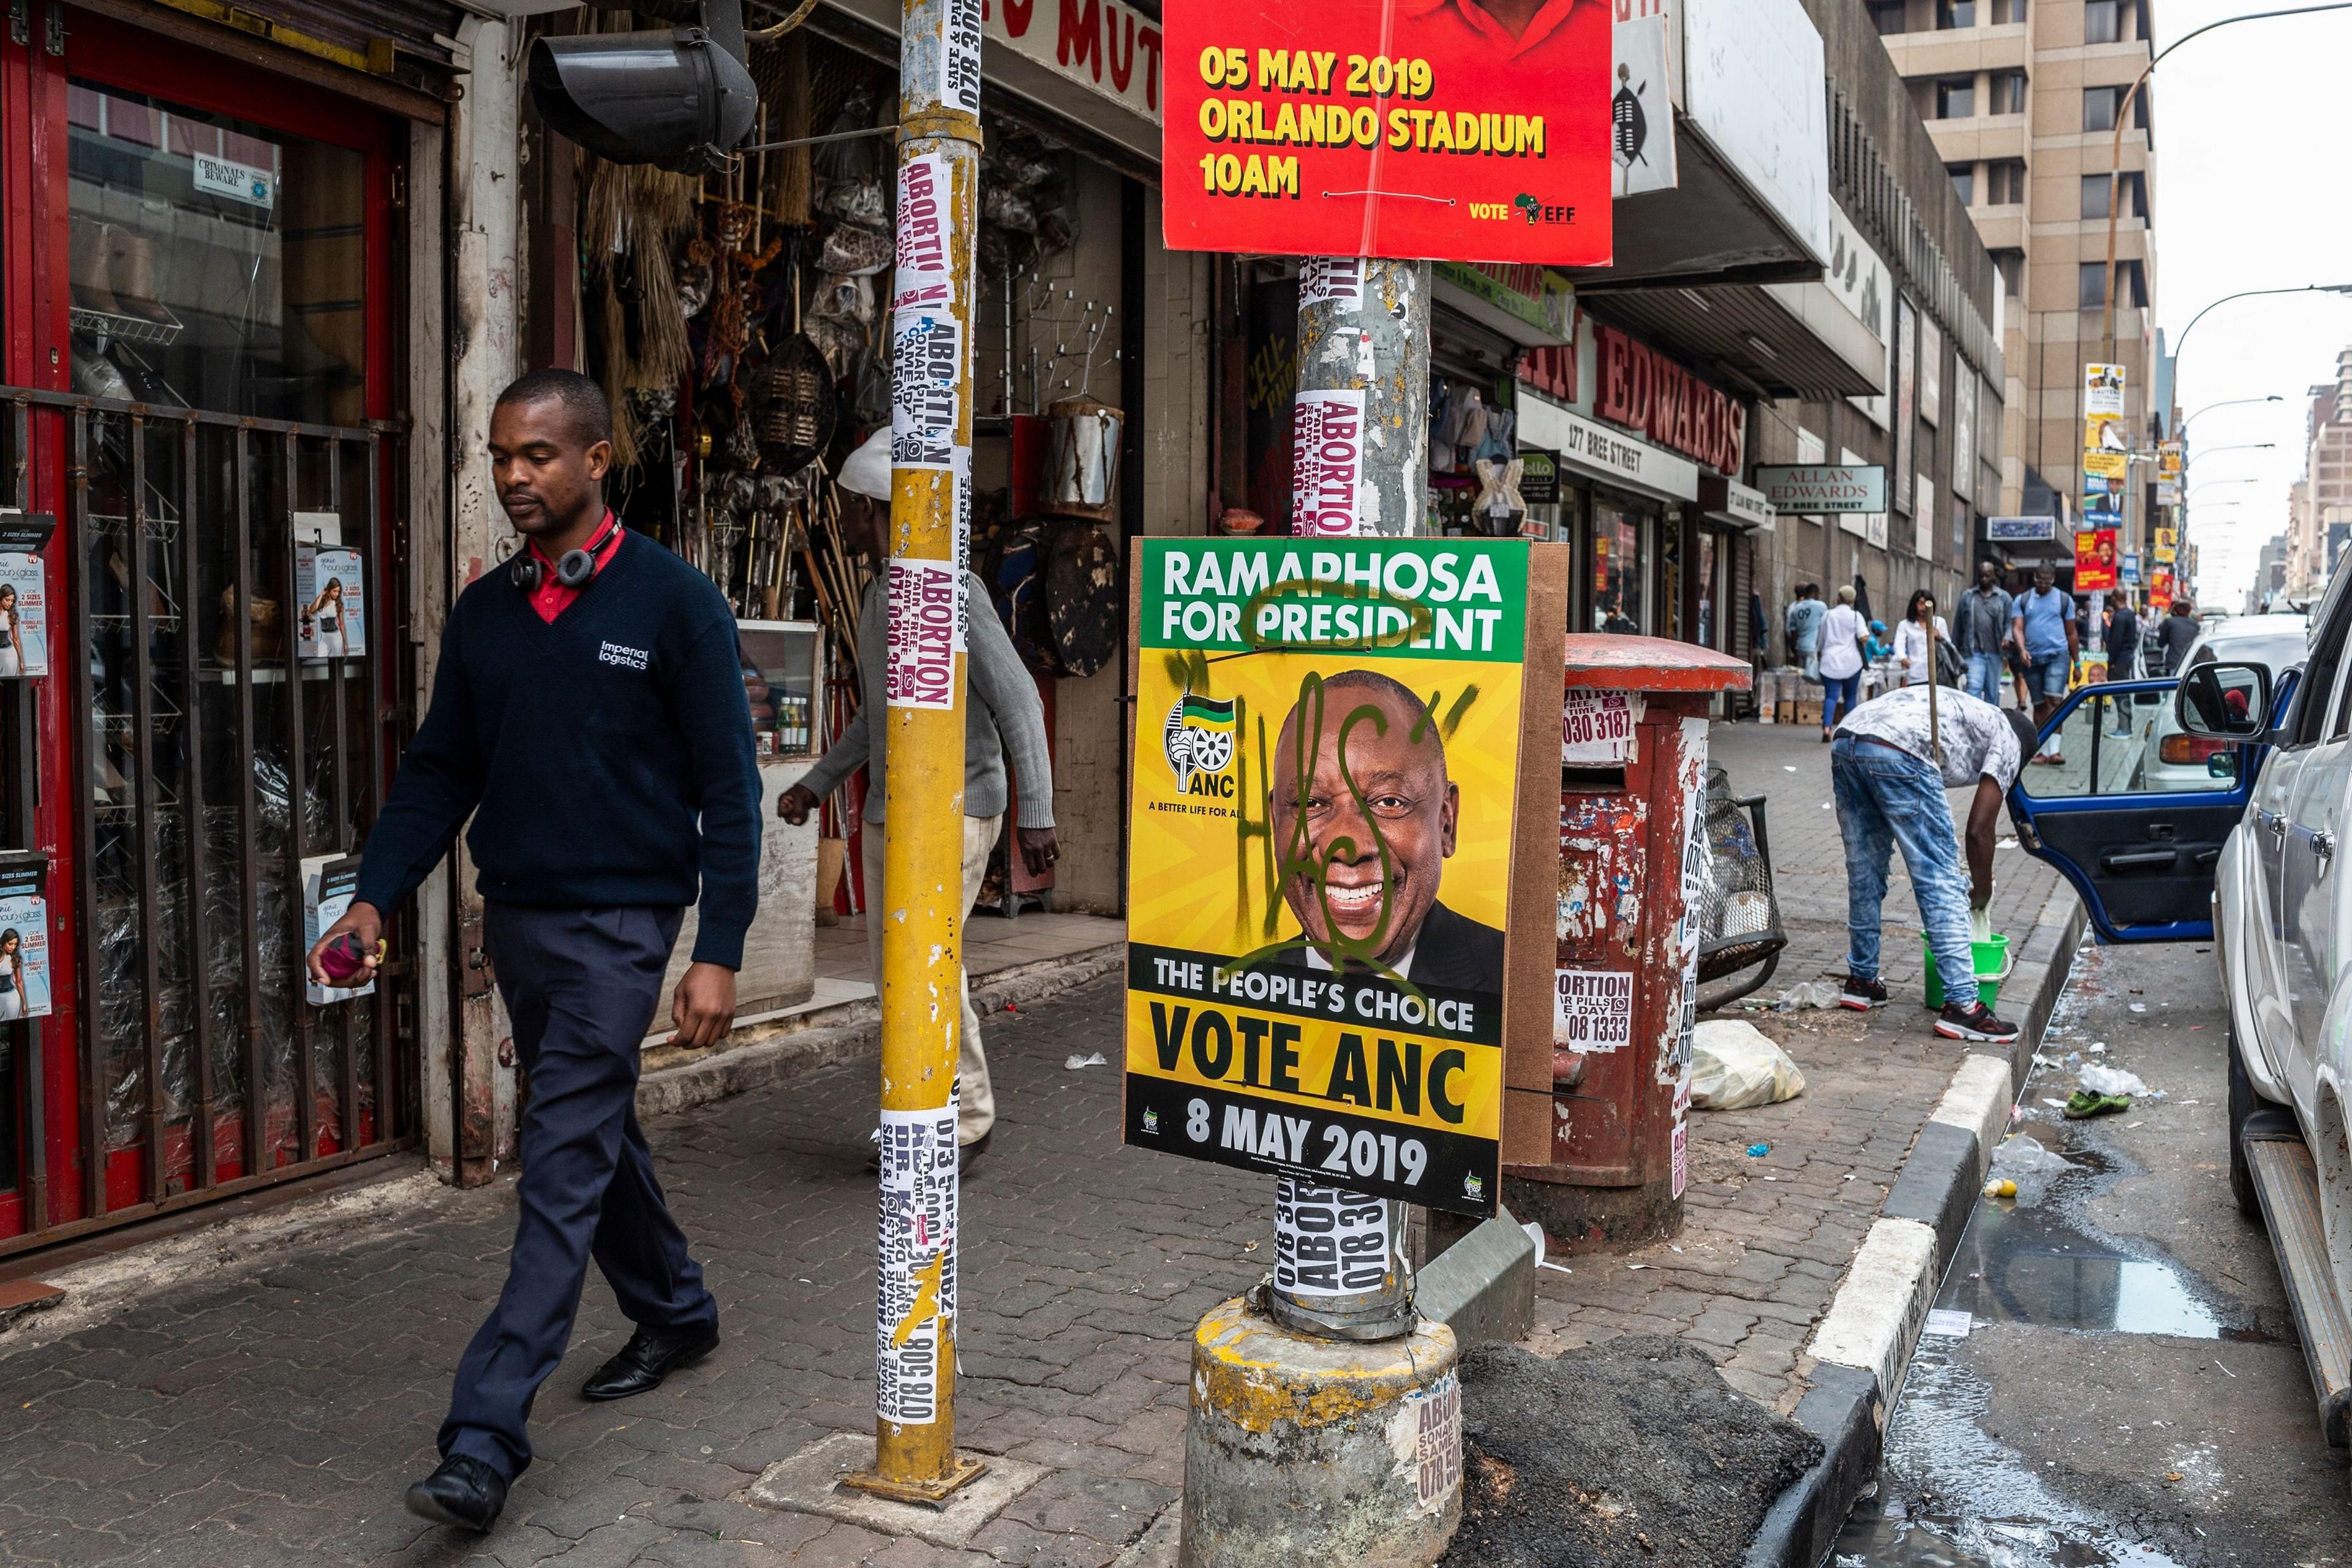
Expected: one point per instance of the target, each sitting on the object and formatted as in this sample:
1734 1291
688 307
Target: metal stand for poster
1363 346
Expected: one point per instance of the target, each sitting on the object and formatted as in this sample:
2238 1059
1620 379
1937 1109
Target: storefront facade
208 240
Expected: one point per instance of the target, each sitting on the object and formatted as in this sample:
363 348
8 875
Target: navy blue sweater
586 752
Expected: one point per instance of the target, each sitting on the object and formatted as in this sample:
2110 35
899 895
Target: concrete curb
1863 1346
763 1054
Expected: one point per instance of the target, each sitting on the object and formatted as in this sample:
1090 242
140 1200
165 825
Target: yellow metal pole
922 903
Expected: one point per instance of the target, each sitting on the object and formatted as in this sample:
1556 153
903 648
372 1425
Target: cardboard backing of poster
1359 127
24 595
1316 971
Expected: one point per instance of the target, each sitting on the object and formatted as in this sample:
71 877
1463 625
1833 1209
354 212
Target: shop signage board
2021 529
1536 306
1645 390
2094 560
1824 487
1594 448
1359 127
1314 987
1110 48
1538 476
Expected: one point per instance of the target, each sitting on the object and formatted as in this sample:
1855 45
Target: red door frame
37 339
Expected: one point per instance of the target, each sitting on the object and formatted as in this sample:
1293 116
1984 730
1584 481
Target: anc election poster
1327 739
1455 132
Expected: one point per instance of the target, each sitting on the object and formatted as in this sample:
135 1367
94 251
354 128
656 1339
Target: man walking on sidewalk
2044 628
1803 625
588 712
1980 628
1890 790
1001 701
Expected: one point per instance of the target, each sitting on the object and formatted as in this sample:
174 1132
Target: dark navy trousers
580 987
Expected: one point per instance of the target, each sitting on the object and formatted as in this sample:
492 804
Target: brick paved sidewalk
273 1415
1767 1240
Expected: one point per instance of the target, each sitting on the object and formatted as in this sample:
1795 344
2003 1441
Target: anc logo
1198 741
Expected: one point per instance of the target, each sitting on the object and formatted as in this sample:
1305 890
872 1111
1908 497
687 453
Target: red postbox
1632 867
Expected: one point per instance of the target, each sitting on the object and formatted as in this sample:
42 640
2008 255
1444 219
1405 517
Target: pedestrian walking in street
2123 654
1893 758
1803 625
1002 718
1842 635
2044 628
2179 635
588 713
1917 636
1875 647
1981 631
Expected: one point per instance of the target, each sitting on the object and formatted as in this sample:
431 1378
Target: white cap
867 470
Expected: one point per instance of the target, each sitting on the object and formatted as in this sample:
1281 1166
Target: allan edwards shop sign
1644 389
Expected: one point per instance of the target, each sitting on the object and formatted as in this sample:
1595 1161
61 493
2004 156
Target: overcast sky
2251 182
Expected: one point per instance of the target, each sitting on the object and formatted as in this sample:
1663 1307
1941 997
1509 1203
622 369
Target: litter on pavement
2102 1079
1735 1064
1093 1059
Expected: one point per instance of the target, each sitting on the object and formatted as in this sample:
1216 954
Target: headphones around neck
575 571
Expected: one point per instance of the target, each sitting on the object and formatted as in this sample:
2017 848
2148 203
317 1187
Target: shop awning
1776 341
1602 452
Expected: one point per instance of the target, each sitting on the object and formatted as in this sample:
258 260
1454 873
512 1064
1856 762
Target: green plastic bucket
1992 968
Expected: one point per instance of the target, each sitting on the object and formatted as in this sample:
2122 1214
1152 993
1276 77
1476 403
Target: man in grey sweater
1002 717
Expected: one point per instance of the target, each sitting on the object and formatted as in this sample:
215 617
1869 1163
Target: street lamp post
2123 117
2225 403
2181 342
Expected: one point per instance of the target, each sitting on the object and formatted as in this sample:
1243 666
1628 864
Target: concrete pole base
1303 1450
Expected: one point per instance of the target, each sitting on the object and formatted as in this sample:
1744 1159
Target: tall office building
2021 98
2322 498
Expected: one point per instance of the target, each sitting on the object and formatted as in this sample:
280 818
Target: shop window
1964 183
1955 99
214 264
1618 578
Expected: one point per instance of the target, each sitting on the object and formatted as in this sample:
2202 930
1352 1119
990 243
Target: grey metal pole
1362 421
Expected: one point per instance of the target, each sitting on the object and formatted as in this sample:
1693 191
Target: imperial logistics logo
1198 741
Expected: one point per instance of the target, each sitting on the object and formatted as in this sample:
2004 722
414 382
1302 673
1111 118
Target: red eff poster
2094 560
1451 130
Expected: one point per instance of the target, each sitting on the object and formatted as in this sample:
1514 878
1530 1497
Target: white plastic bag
2101 1079
1735 1064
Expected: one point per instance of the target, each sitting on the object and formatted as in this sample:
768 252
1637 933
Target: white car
2176 759
2247 856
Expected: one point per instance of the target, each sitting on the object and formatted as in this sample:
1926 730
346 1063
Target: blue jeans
1838 694
1886 797
1984 677
2046 677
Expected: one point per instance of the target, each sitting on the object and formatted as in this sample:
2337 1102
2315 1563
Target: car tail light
2192 749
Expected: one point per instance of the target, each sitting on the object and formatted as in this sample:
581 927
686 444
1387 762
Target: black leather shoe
464 1492
646 1360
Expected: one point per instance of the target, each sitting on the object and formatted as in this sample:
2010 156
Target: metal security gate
199 759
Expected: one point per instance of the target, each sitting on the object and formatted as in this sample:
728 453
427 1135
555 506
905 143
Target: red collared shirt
552 597
1469 15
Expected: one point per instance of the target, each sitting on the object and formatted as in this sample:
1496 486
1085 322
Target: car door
2308 885
2140 850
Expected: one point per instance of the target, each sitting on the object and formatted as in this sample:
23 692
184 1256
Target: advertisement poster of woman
331 618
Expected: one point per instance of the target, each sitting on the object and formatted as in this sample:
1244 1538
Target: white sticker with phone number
1593 1009
1596 728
